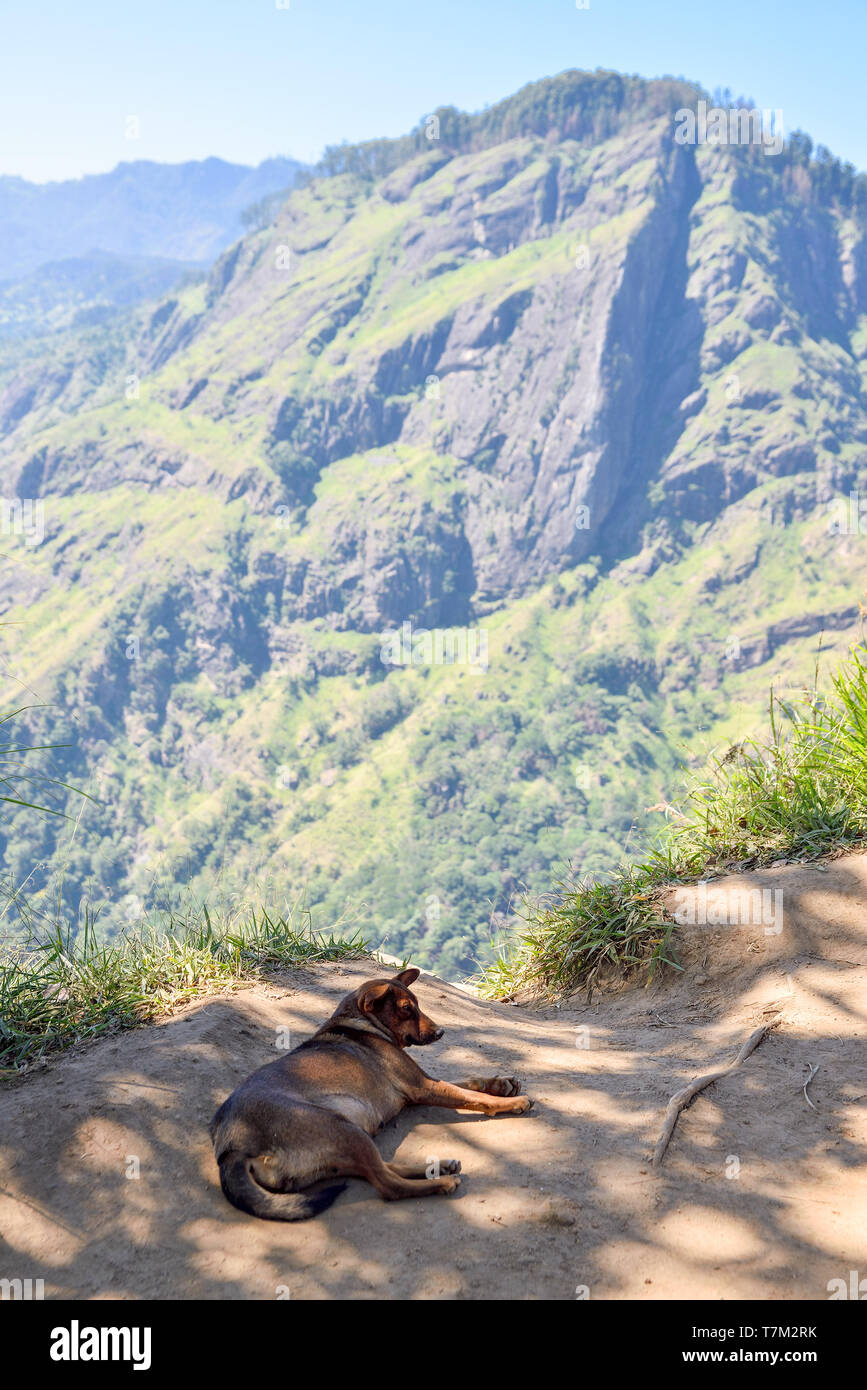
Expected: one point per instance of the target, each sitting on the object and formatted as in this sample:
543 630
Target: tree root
679 1101
813 1071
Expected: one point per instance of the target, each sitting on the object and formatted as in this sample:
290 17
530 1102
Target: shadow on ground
108 1187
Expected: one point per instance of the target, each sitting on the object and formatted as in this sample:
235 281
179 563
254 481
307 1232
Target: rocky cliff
544 373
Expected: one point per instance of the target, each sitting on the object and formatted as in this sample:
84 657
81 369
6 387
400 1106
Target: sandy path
759 1196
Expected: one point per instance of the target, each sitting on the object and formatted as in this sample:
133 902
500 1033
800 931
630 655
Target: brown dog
308 1118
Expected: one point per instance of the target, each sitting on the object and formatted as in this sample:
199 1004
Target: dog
298 1123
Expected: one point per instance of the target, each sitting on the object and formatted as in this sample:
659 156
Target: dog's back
279 1131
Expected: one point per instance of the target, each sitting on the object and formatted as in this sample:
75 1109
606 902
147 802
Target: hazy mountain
543 375
183 212
85 290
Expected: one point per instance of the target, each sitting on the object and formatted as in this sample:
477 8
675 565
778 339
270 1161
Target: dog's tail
241 1189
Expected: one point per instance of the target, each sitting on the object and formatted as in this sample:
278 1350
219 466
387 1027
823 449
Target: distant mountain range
542 387
179 212
72 249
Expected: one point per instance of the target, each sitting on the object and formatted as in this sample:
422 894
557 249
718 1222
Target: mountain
85 289
581 402
180 212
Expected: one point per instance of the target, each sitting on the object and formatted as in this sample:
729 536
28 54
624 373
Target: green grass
58 989
19 779
798 794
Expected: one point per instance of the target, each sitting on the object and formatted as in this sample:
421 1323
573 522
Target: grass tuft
57 989
799 794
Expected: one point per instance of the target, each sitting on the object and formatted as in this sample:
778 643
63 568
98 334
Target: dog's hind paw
493 1085
504 1086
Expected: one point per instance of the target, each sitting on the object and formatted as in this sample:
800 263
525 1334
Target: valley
552 378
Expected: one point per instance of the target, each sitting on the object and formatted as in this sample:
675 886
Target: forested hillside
586 398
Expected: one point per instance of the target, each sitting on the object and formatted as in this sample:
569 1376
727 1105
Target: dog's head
392 1005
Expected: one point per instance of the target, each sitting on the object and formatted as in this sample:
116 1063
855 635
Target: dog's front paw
521 1106
448 1185
450 1165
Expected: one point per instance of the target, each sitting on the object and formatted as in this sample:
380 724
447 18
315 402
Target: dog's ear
373 996
407 977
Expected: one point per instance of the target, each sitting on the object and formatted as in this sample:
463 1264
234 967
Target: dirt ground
108 1188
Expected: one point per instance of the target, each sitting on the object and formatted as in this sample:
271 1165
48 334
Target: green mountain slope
542 379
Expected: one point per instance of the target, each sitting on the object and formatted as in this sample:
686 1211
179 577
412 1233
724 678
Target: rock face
514 365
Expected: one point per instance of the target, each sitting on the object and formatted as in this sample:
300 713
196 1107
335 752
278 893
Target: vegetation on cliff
797 794
550 379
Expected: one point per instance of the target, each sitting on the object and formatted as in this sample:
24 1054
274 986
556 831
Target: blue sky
245 79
